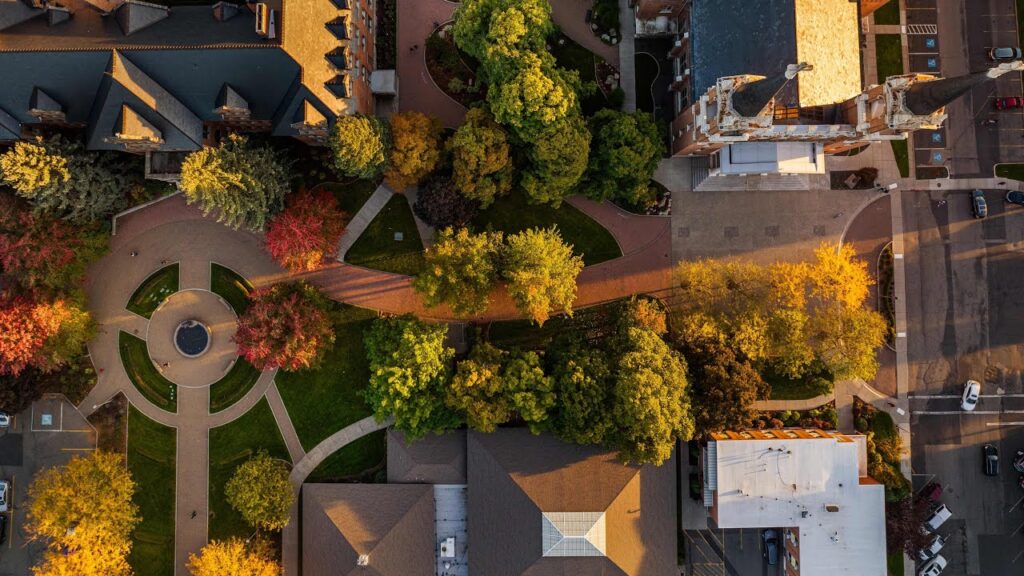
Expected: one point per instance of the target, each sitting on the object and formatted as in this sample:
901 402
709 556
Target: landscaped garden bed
662 205
111 423
809 386
887 292
391 242
230 446
153 291
1011 171
144 375
884 448
863 179
233 386
326 399
451 69
572 56
151 461
604 21
230 286
363 460
823 417
386 35
512 213
594 324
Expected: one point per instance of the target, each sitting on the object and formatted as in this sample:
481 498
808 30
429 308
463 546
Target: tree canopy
410 367
261 492
440 204
624 154
235 558
39 333
306 234
491 385
501 29
460 270
556 162
84 513
541 272
583 385
416 149
58 176
534 95
286 326
361 145
243 184
481 164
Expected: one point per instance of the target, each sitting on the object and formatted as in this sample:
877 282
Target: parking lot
48 434
965 305
729 552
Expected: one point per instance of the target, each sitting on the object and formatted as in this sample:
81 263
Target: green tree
723 388
410 367
361 145
416 149
624 154
460 270
532 97
58 176
481 166
556 161
90 495
846 341
583 384
651 406
541 272
69 341
492 385
242 183
493 29
529 390
261 492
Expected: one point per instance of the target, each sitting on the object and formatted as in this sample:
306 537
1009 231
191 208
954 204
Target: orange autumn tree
416 149
44 335
306 234
286 326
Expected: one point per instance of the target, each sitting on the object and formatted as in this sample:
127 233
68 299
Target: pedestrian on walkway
135 253
193 514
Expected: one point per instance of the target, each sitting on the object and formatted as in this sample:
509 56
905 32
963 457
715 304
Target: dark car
3 528
1018 461
771 546
991 462
1009 103
1015 198
978 205
932 492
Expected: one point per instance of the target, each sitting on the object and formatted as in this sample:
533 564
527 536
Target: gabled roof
135 15
230 99
158 99
224 11
106 118
433 459
16 12
10 128
367 530
43 101
134 127
520 484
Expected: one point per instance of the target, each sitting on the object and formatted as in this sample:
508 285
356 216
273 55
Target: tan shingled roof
827 36
306 38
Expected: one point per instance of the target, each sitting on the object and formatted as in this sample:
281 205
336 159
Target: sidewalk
362 219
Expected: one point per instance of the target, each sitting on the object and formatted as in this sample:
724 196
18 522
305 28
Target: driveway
48 434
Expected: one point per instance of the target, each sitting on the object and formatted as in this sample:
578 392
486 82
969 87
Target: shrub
441 205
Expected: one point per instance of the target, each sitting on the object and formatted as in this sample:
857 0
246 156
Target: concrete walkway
426 230
304 467
805 404
627 55
362 219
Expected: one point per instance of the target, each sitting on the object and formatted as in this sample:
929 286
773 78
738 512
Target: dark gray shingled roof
732 37
392 524
14 12
515 476
430 460
10 128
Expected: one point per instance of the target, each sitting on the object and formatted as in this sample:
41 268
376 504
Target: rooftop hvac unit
363 560
262 19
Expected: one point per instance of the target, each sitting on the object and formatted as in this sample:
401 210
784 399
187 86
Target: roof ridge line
143 48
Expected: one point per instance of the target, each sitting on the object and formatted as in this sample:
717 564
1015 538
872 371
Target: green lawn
895 564
377 247
230 286
151 451
154 290
571 56
899 150
144 375
323 401
352 195
512 213
809 386
233 386
230 446
889 13
888 55
358 461
883 426
1012 171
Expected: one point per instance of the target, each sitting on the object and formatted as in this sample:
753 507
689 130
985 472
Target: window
666 9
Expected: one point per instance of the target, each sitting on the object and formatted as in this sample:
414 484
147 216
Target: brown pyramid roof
516 477
389 528
430 460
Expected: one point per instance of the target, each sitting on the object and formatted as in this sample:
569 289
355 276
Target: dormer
135 133
339 27
339 86
340 57
135 15
45 108
231 105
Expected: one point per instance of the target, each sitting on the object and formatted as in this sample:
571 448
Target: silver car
5 490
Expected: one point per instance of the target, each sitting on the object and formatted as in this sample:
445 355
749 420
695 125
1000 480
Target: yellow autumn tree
86 551
233 558
416 149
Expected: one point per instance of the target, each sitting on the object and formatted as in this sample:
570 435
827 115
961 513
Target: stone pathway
362 219
417 20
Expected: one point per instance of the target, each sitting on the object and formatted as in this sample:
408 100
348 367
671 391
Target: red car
1009 103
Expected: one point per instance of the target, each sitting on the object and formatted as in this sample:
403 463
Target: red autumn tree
306 233
286 326
44 335
44 253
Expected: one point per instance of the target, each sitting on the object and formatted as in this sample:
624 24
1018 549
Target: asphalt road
965 304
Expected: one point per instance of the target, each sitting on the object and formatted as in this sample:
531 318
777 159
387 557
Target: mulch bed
450 71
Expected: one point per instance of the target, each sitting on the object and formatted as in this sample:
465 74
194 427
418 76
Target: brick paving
570 16
417 90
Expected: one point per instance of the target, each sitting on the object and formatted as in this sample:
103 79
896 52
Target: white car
933 568
5 490
932 549
5 420
938 517
972 390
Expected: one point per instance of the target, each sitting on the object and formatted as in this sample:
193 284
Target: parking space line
953 412
1004 423
1015 504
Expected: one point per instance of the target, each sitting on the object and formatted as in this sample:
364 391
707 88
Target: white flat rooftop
812 484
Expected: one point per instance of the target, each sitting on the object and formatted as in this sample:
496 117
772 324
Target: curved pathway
417 20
